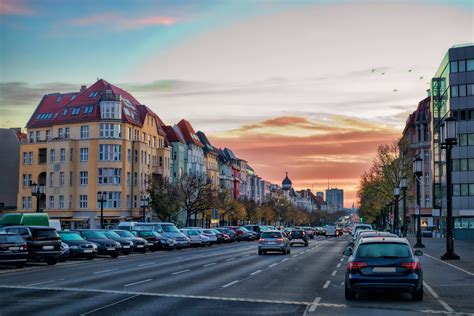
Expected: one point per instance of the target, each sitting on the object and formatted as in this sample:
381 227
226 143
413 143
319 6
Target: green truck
27 219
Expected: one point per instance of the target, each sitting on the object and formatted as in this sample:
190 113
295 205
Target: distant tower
286 183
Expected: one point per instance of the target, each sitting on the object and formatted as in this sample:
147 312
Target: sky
308 87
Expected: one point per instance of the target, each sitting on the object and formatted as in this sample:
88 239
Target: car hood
172 235
76 242
102 241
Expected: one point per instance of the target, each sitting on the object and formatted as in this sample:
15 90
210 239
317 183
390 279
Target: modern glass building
452 90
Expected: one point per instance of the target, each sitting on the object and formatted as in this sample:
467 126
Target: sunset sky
308 87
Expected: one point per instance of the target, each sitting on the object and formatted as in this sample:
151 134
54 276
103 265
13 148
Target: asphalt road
220 280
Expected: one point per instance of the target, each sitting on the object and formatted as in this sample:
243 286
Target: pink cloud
118 22
14 7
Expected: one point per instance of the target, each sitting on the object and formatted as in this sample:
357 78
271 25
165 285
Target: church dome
286 184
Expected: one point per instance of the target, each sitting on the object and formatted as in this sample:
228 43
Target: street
224 279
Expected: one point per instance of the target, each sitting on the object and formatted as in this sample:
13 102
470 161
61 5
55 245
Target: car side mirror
347 252
418 253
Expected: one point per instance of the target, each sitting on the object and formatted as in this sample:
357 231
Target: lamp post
38 191
404 186
396 194
384 216
450 139
144 204
101 198
418 172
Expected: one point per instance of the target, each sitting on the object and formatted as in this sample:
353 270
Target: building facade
10 139
335 199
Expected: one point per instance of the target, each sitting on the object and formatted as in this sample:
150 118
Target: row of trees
194 199
377 184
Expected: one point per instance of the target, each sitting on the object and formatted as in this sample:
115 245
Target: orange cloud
14 7
118 21
340 153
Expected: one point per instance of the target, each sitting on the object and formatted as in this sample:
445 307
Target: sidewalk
435 247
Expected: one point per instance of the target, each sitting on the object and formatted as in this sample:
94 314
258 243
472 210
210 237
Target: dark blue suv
384 263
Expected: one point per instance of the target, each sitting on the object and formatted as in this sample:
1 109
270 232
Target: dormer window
93 94
75 111
64 112
110 110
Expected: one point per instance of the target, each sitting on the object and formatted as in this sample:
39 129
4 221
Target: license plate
87 250
139 246
126 247
13 248
271 243
384 269
48 247
111 249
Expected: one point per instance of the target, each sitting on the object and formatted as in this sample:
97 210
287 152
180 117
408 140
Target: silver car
273 241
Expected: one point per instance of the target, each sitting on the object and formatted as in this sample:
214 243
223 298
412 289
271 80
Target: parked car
195 238
105 245
154 240
78 246
358 227
229 232
13 250
255 228
65 252
126 245
384 263
239 234
369 234
298 237
320 231
273 241
211 236
219 238
167 230
43 242
309 232
139 244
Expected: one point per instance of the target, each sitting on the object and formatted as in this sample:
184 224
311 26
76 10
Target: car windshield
70 236
208 231
111 234
6 239
93 234
143 227
124 233
243 229
191 232
271 235
169 228
383 250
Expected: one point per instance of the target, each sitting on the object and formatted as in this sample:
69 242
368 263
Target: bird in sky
421 78
395 90
373 69
383 73
409 70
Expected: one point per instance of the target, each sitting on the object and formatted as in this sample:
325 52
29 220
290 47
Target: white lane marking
272 265
283 260
230 259
342 259
246 255
315 303
231 283
334 273
139 282
451 265
436 296
208 265
294 256
256 272
105 271
342 283
146 264
182 271
39 283
338 265
325 286
109 305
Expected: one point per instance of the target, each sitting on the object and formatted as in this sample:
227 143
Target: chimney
83 88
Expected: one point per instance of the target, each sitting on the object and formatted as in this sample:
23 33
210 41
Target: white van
127 225
55 223
331 230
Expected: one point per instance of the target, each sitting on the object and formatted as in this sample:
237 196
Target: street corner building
99 139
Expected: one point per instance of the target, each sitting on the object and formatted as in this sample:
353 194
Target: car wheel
114 255
51 261
417 295
349 294
260 252
288 251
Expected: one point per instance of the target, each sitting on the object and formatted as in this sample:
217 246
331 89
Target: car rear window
44 233
70 236
271 235
6 239
383 250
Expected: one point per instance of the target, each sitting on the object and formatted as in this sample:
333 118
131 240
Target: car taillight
411 265
279 240
261 240
356 265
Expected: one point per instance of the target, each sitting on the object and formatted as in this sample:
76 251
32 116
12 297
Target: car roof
8 234
384 240
272 231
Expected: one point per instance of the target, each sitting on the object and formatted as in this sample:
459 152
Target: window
30 158
470 65
88 109
23 203
128 178
84 154
65 112
71 154
31 137
462 139
135 178
52 155
24 180
110 110
470 89
84 132
134 201
454 66
129 202
108 130
463 164
129 133
154 141
61 178
113 200
110 176
75 111
61 202
70 201
51 202
67 131
38 136
462 90
63 154
83 177
461 65
82 201
454 91
60 133
464 189
48 135
161 161
25 158
71 179
129 154
108 152
51 179
463 115
456 189
135 156
455 165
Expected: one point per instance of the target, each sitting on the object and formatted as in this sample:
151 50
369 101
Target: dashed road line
294 256
105 271
436 296
338 265
231 283
256 272
342 259
230 259
139 282
325 286
145 264
314 305
283 260
208 265
334 273
39 283
272 265
109 305
182 271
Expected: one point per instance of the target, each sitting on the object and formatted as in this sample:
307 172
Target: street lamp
418 172
144 204
396 194
450 139
404 186
101 198
38 191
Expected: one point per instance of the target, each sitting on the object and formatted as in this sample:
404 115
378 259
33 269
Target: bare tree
197 197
